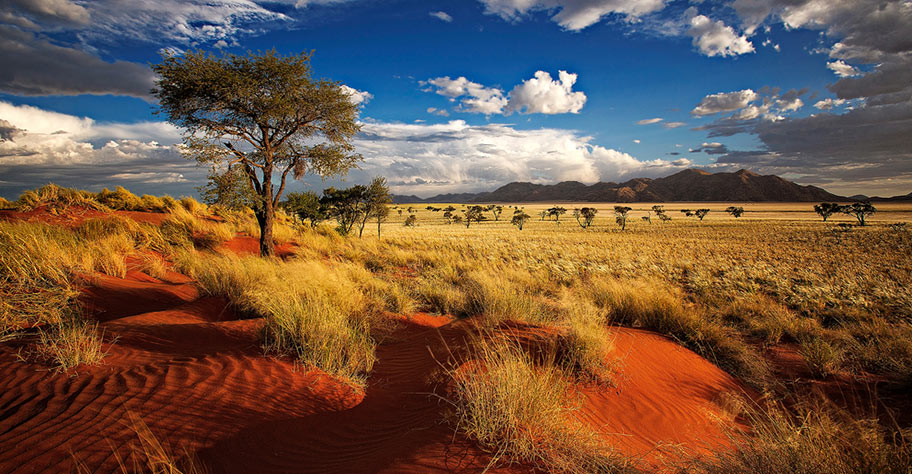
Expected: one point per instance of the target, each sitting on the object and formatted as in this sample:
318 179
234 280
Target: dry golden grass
522 411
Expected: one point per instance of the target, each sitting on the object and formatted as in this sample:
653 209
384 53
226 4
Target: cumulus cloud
842 69
436 111
35 66
541 94
714 38
649 121
55 11
724 102
828 103
44 146
674 124
458 157
475 98
355 96
573 15
442 15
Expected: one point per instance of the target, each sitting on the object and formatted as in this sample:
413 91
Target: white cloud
714 38
436 111
674 124
573 15
458 157
78 151
649 121
842 69
724 102
827 104
443 16
543 95
355 96
636 141
476 98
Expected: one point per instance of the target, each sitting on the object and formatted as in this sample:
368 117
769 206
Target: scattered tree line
859 210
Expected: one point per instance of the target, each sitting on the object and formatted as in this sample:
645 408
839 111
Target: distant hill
688 185
906 197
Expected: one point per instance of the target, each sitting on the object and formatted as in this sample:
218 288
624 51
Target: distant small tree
399 211
664 217
457 219
543 214
557 211
701 213
228 189
448 214
345 205
687 213
827 209
496 210
585 216
860 210
519 218
376 203
410 221
658 209
473 214
620 216
735 211
305 206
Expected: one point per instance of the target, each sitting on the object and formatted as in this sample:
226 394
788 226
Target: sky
468 95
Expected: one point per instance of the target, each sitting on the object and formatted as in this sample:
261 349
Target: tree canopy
262 113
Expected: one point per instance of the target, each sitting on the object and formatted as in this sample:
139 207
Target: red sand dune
244 245
195 374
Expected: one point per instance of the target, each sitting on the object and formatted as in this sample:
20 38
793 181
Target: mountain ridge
690 185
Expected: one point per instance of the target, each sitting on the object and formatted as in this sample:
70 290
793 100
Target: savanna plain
145 334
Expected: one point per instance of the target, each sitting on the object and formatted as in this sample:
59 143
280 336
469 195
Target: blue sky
469 95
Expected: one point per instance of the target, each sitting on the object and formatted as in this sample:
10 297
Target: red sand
245 245
77 215
195 374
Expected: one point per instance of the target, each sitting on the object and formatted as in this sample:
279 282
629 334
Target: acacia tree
620 216
827 209
701 213
374 203
261 113
859 210
345 205
557 212
305 206
473 213
519 218
587 214
735 211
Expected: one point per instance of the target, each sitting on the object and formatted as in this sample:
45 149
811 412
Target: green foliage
229 189
585 216
261 113
620 216
345 205
860 211
556 212
305 206
519 218
473 214
827 209
735 211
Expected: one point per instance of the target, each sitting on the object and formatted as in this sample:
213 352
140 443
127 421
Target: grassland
729 289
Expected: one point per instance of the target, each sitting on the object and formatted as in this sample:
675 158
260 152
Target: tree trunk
378 227
266 218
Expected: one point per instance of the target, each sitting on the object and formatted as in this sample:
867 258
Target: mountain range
691 185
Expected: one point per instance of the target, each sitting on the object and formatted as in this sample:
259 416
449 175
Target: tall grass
319 315
69 344
522 412
812 439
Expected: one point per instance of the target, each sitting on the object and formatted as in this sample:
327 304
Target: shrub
120 199
153 203
57 199
522 412
815 439
69 344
